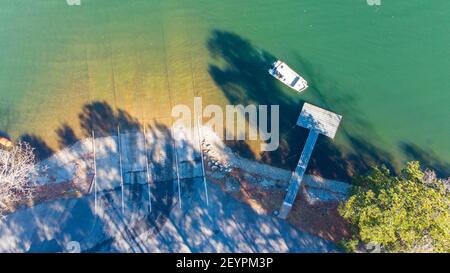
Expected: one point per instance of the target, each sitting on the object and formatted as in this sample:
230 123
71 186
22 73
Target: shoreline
69 174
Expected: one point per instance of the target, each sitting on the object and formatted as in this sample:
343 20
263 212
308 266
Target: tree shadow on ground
163 176
99 117
243 78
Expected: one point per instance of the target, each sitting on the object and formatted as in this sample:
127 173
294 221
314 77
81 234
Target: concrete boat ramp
148 195
136 165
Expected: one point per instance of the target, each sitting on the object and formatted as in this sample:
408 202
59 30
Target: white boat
289 77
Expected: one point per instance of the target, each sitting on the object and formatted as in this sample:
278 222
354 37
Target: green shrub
405 213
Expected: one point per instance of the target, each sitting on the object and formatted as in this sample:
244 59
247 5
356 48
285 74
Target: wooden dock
297 175
319 121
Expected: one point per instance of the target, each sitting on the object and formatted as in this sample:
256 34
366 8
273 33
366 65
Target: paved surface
167 215
225 226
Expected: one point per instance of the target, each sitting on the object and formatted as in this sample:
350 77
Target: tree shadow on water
244 79
41 149
4 134
427 158
357 131
66 136
101 118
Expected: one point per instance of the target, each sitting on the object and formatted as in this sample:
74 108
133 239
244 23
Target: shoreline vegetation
408 212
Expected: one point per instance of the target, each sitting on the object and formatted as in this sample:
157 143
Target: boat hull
282 72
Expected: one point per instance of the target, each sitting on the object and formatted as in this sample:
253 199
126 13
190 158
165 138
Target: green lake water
385 68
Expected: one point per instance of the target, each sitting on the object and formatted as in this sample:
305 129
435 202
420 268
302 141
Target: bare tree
17 168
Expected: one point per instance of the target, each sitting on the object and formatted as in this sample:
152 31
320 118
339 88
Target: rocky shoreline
69 174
